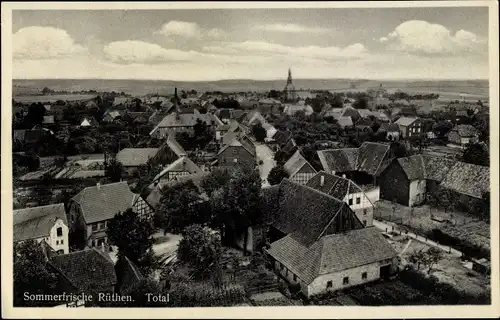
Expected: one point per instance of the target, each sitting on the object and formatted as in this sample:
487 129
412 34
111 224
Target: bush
205 295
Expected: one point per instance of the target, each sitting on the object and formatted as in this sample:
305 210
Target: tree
200 247
431 257
131 234
441 128
202 134
417 257
360 103
398 150
180 205
31 274
277 174
236 205
215 180
476 153
114 170
259 132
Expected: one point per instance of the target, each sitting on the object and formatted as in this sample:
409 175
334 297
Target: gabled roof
36 222
465 130
389 127
339 160
290 146
282 136
174 145
229 136
469 179
332 253
176 119
155 195
436 168
295 163
134 157
406 121
364 113
345 121
305 213
333 185
237 140
181 164
370 158
413 167
87 269
291 109
103 202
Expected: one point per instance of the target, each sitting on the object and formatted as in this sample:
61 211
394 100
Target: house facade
45 223
240 151
463 134
299 169
409 126
93 208
347 191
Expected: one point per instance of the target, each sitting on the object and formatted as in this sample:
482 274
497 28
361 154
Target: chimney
98 185
322 183
175 94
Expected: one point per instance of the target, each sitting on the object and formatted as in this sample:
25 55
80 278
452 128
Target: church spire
289 80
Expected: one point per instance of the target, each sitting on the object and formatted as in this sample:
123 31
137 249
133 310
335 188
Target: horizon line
279 79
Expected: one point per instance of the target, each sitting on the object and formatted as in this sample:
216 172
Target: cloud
353 51
188 30
290 28
418 36
383 39
133 51
37 42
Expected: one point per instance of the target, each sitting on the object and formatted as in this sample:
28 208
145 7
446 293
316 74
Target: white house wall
417 192
319 284
62 242
363 210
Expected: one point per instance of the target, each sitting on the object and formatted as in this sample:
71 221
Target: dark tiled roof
371 157
469 179
104 202
281 137
295 163
181 164
332 253
36 222
333 185
305 212
87 269
413 167
436 168
290 146
388 127
465 130
339 160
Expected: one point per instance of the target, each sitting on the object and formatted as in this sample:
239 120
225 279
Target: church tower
289 93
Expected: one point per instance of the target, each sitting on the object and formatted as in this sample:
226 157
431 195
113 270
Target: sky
260 44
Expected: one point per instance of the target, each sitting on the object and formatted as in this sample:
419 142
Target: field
449 89
53 98
456 224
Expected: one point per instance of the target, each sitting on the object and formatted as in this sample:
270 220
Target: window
62 241
57 242
418 130
94 227
346 280
364 222
364 275
358 200
350 202
98 226
329 284
105 224
59 232
294 277
365 212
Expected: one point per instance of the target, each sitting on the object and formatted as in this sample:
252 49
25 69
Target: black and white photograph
236 155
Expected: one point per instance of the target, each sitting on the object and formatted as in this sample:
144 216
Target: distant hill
141 87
